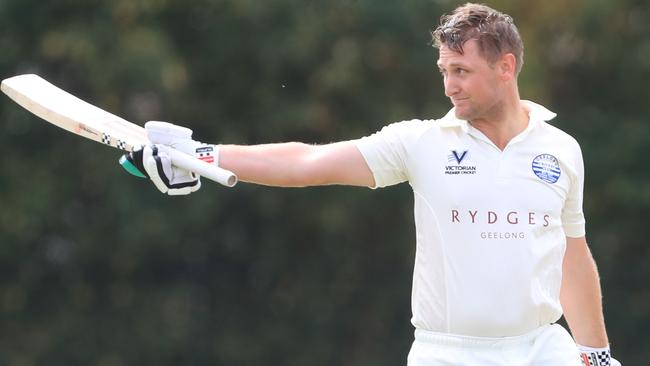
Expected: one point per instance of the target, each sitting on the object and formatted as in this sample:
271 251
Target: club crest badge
547 168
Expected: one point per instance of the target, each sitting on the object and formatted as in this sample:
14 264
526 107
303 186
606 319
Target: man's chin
466 111
462 114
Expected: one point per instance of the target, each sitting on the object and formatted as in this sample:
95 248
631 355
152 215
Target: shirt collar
537 113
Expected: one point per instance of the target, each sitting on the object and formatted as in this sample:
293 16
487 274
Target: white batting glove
154 162
597 356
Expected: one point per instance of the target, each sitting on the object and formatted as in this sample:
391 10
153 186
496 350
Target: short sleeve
386 153
573 219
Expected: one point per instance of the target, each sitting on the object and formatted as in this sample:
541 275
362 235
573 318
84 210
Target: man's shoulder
546 120
412 128
415 123
557 134
565 146
422 125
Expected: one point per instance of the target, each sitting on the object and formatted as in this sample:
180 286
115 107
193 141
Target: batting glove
597 356
154 162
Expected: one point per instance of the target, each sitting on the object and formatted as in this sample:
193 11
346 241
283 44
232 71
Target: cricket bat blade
66 111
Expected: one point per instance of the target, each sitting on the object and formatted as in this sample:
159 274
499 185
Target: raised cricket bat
65 110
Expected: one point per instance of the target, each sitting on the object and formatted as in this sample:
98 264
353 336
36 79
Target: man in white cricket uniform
485 244
501 249
489 253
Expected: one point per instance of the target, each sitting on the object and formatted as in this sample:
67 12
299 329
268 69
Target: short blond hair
494 31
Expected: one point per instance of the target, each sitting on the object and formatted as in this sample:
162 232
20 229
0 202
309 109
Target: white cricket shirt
490 224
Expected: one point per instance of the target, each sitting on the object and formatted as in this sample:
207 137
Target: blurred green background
98 268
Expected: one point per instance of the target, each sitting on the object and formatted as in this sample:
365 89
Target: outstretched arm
290 164
581 296
295 164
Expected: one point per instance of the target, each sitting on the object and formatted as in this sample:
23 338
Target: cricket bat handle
202 168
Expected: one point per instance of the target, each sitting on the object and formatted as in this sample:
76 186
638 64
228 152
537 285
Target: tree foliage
99 269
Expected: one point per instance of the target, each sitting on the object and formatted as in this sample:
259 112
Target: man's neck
503 122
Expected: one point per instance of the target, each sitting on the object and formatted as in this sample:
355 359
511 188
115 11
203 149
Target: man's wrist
595 356
208 153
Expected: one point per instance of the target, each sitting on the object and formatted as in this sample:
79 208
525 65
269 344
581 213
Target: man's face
471 82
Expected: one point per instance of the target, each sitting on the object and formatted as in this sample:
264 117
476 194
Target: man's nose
451 86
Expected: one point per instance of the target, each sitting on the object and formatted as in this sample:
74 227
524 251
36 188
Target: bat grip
202 168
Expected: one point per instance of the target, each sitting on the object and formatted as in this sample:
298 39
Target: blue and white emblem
547 168
460 163
456 156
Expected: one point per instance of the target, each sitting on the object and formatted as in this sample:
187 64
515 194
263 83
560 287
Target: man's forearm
268 164
581 295
295 164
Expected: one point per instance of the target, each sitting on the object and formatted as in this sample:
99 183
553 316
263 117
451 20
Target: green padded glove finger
129 164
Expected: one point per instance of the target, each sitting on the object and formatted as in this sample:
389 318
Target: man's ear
507 66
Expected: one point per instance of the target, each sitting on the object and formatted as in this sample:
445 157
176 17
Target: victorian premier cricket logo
459 163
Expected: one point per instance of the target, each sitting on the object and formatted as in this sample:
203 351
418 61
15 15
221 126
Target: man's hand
154 162
597 357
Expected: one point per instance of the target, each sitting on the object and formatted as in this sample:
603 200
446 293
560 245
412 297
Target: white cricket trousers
549 345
